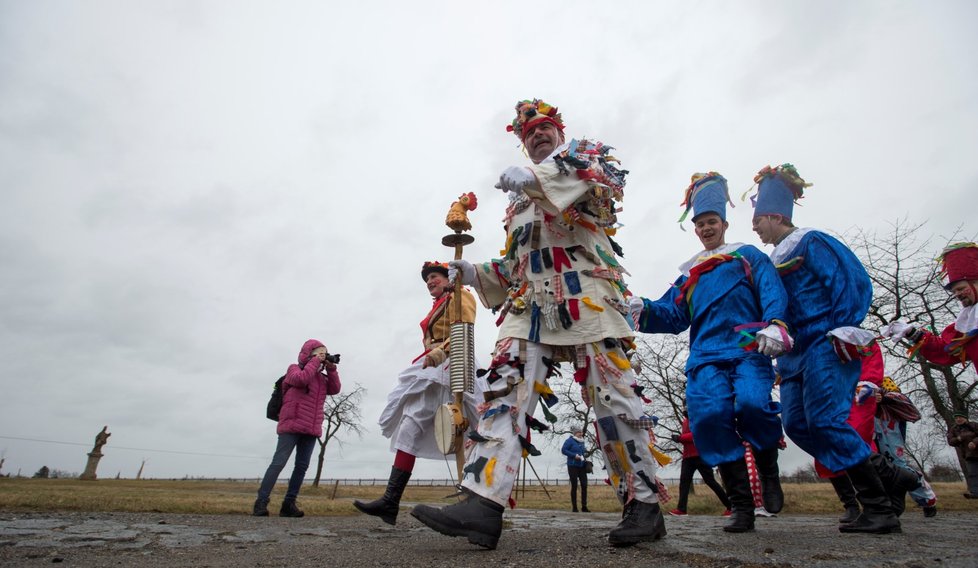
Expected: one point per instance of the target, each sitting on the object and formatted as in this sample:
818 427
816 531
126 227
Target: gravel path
531 538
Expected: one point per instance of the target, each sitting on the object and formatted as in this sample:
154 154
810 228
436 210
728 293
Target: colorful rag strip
749 341
686 291
956 347
790 266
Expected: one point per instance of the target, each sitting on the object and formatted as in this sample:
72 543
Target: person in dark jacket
964 435
300 423
691 464
575 451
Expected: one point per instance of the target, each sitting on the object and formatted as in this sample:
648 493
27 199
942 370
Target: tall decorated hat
434 266
959 261
707 193
532 113
778 189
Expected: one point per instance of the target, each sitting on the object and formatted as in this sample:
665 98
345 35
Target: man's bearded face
964 292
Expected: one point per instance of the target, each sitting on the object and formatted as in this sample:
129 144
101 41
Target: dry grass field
236 497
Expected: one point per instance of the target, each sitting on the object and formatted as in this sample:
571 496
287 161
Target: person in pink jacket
300 422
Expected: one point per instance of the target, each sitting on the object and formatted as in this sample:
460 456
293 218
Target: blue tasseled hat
777 191
707 193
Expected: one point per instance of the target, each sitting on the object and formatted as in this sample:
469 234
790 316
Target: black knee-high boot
896 480
387 506
847 494
877 516
736 481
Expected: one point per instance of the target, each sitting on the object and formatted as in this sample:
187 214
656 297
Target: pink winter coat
305 393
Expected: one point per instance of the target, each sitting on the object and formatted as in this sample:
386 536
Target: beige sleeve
559 191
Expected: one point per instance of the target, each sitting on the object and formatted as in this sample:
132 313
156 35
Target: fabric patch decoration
642 423
632 451
603 395
475 468
489 469
609 428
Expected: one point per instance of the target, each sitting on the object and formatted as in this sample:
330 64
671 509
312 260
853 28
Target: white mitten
465 268
773 340
897 330
635 307
516 179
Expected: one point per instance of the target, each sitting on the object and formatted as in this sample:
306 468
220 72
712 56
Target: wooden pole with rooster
450 423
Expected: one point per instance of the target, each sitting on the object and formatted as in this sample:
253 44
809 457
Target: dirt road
531 538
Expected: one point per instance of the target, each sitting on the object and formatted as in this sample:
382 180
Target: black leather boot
847 494
877 516
261 508
896 480
290 509
640 522
736 481
770 476
387 506
475 517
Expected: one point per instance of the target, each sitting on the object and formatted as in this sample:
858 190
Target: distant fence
370 482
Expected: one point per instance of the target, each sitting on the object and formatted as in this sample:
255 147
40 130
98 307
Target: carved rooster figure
457 219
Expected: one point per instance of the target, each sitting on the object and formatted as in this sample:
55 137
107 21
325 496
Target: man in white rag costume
558 293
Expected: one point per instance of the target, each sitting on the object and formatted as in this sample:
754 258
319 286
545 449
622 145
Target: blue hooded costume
828 288
728 389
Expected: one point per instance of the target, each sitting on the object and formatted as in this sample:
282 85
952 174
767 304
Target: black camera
333 358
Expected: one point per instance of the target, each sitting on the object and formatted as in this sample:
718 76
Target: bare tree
663 374
662 379
925 445
571 412
906 285
341 412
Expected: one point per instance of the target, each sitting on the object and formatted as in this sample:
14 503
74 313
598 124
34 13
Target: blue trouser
730 401
303 444
816 406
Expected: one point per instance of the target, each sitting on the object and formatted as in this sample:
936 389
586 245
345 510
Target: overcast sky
193 189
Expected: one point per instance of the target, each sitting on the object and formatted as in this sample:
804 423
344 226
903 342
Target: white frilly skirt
409 417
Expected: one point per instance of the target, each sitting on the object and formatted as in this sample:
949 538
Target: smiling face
964 292
710 228
437 284
769 228
542 140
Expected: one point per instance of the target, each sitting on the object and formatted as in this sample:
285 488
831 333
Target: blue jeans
303 444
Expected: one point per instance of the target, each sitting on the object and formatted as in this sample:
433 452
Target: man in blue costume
724 291
829 296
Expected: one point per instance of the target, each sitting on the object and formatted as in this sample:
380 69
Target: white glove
771 342
897 330
635 307
579 457
466 268
516 179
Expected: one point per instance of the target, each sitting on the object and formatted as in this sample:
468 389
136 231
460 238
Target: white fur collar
787 246
967 320
703 255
